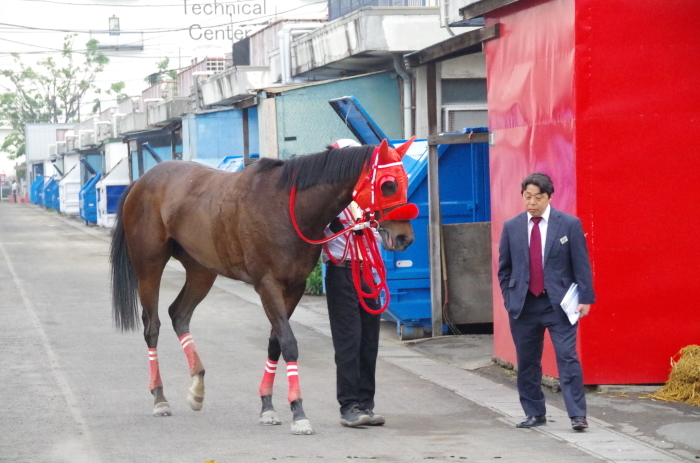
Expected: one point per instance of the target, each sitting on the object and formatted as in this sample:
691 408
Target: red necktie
536 272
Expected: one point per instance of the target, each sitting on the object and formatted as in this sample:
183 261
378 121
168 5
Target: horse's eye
388 185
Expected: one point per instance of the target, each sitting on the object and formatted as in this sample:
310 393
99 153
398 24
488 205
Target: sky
176 29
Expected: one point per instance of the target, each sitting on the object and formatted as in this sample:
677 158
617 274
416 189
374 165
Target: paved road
75 390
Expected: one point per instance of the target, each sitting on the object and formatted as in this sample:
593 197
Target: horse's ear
401 150
383 149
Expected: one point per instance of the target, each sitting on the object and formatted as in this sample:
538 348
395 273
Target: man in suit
542 252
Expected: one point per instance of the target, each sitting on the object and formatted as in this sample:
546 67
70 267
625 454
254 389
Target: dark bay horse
237 225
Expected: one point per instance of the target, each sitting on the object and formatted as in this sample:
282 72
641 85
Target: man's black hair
539 180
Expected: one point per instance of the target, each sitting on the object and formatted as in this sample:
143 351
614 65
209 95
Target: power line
82 52
161 30
132 6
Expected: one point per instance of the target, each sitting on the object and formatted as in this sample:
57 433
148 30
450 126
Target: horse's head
383 190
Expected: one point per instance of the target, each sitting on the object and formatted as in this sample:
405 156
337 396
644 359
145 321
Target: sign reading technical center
234 12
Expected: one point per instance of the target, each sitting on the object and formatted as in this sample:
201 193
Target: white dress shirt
543 228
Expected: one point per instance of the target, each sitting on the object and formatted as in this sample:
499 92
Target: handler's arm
505 265
581 264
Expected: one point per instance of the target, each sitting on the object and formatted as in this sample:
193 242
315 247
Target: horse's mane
330 166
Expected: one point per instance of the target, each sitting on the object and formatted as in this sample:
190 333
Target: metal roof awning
358 121
459 45
476 9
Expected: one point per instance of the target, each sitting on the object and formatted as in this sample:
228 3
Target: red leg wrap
293 378
155 371
191 353
268 378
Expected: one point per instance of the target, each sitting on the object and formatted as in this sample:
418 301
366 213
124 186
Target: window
463 104
216 66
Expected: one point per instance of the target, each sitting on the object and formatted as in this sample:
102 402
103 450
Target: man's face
535 201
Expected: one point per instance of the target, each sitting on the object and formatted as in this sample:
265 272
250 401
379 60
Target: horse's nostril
403 241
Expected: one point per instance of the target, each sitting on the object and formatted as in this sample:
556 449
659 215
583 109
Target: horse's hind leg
149 269
279 303
198 282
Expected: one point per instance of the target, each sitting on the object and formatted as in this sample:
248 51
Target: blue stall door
88 200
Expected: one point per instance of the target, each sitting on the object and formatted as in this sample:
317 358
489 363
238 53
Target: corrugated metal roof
480 7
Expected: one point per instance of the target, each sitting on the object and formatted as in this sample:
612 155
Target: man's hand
583 309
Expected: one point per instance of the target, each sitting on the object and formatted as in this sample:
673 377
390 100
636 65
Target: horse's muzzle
397 243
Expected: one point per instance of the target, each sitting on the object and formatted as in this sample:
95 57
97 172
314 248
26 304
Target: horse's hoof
269 418
162 409
195 401
302 427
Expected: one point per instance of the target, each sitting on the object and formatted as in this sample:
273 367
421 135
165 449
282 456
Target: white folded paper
570 303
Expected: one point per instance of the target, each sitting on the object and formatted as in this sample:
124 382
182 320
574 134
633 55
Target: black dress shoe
532 421
579 423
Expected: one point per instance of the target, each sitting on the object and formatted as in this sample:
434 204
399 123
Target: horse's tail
125 285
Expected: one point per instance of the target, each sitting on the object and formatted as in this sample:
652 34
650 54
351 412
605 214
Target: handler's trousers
355 339
528 335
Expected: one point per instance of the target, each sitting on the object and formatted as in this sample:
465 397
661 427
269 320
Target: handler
355 331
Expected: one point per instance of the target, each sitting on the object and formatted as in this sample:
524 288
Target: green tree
114 90
54 92
162 74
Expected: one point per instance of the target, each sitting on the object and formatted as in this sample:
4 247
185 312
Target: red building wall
605 99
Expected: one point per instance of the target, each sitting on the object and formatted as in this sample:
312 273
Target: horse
238 225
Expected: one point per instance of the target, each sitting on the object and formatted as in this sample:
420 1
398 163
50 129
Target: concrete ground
74 390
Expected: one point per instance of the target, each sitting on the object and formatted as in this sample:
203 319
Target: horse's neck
317 206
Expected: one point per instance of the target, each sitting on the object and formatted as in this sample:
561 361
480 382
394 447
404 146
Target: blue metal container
114 194
51 198
234 163
36 190
464 198
88 200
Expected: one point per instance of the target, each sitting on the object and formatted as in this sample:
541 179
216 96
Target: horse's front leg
279 303
268 415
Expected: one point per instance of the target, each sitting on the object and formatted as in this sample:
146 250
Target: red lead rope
365 259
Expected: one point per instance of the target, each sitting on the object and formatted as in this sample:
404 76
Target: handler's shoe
355 417
374 419
579 423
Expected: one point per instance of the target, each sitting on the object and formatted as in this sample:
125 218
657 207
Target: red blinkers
386 166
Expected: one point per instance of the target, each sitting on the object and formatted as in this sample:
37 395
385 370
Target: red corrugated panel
637 139
531 110
604 98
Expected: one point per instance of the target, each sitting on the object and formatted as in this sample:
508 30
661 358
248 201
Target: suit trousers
355 339
528 336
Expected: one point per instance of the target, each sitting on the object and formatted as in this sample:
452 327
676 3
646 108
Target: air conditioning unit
115 118
71 143
103 130
52 150
86 138
456 118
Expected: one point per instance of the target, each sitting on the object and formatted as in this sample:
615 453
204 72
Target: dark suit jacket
564 263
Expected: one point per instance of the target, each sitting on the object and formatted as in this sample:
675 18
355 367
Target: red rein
364 263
